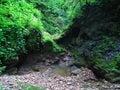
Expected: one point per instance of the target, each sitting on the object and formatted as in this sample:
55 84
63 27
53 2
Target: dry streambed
83 81
53 75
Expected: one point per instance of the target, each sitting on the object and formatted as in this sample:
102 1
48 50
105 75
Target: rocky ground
53 72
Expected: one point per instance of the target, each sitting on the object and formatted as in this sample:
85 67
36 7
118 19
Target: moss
76 55
108 42
2 68
110 70
1 87
49 43
29 87
97 64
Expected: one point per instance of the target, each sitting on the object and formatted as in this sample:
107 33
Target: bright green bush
30 24
57 15
19 20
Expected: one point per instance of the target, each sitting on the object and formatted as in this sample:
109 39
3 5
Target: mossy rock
110 71
79 58
103 57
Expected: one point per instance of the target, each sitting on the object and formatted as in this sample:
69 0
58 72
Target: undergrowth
34 25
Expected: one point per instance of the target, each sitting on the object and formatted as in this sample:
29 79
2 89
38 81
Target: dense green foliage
32 24
18 19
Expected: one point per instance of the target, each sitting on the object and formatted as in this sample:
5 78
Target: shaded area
46 72
97 38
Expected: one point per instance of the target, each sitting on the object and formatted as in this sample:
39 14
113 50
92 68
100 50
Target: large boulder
102 58
99 33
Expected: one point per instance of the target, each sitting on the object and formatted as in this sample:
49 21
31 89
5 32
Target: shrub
19 19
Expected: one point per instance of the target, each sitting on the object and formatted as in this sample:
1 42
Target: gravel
84 80
52 82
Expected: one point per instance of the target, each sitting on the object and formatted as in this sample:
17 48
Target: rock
101 59
115 86
62 54
35 67
69 83
47 64
47 60
74 70
10 63
13 70
57 58
76 63
66 58
48 72
117 79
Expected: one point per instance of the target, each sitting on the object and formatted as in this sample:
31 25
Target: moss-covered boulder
98 35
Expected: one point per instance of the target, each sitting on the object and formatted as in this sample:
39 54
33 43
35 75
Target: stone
35 68
46 63
69 83
57 58
74 70
48 72
115 86
13 70
66 58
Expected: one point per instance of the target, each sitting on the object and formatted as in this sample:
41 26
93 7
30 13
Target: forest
59 44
